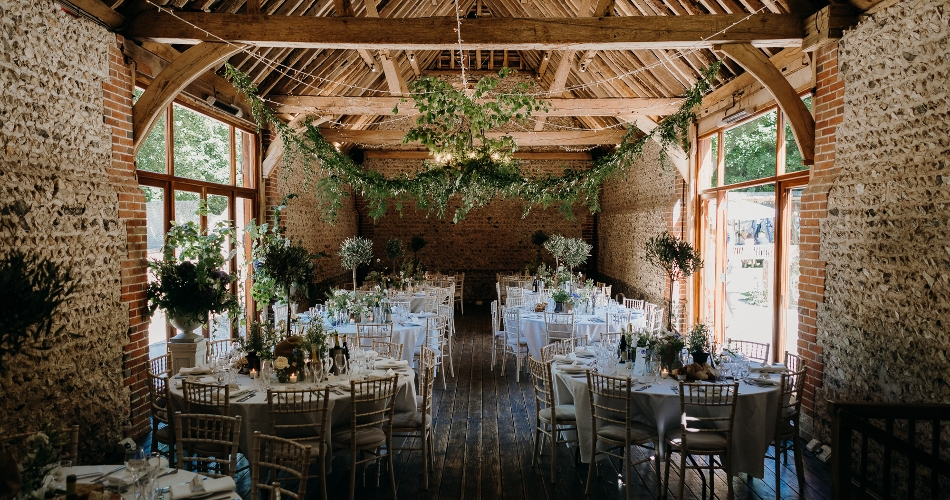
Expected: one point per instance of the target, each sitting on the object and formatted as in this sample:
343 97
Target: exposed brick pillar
117 108
828 110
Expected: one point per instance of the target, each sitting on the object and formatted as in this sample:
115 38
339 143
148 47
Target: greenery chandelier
453 124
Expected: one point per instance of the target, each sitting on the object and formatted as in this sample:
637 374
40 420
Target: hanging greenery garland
453 124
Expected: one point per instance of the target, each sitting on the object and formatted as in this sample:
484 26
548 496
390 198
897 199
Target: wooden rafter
436 33
100 11
524 139
175 77
419 155
796 114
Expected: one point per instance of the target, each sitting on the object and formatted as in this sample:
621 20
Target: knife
173 471
113 471
245 398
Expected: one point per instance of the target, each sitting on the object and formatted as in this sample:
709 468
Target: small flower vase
700 357
253 362
558 307
283 376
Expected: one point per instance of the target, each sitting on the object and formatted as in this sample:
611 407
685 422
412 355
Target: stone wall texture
635 209
491 239
882 325
59 200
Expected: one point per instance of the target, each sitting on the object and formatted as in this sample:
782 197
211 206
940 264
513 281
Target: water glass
136 462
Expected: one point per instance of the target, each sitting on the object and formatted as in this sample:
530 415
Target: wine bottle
622 348
71 487
346 351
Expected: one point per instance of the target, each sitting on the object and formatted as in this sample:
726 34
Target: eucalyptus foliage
453 124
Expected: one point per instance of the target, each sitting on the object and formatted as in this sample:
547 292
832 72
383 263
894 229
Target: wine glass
136 462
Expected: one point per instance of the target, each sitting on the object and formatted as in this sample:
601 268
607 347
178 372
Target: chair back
562 347
707 409
432 300
369 332
217 348
609 400
755 351
373 404
617 321
558 326
281 461
401 307
514 301
633 304
435 334
610 338
427 364
158 399
387 349
793 362
543 386
207 444
512 316
790 402
655 319
299 414
206 398
447 311
495 324
160 365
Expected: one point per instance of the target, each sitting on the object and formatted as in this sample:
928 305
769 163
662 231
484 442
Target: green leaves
454 124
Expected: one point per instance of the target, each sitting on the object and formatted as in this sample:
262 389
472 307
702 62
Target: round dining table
254 410
657 404
592 325
86 474
409 332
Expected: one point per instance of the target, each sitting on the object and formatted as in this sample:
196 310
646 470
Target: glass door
787 287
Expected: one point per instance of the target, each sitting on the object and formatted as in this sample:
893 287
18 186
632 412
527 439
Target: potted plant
559 296
394 251
699 343
31 290
259 343
675 257
355 251
190 282
669 346
576 251
538 239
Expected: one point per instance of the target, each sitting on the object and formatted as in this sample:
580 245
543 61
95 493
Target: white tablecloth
411 334
532 327
659 406
253 412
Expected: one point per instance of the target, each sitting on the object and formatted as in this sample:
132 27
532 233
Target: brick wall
117 110
635 209
828 106
490 239
67 194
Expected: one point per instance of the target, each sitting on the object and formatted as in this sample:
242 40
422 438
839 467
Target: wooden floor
484 427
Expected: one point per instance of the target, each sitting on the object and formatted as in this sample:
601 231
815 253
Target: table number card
639 367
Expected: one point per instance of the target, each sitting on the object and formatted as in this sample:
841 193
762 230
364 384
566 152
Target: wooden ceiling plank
403 154
524 139
104 13
669 32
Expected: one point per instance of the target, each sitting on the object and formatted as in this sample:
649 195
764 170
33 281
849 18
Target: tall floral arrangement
190 280
37 452
355 251
676 258
571 252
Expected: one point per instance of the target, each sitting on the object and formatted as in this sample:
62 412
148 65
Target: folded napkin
219 485
391 363
764 368
583 351
766 381
573 368
200 380
195 370
566 359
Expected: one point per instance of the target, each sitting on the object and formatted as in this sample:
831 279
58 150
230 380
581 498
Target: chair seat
638 433
410 420
698 442
365 437
500 333
164 435
521 341
418 401
785 429
565 413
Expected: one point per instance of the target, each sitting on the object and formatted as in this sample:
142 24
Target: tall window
187 158
751 180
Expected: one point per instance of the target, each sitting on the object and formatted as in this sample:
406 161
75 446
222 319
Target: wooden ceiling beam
344 105
98 10
402 154
796 114
524 139
172 80
436 33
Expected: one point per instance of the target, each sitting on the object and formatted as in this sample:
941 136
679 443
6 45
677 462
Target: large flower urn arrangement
190 282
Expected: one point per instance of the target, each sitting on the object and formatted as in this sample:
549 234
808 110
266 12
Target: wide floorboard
484 427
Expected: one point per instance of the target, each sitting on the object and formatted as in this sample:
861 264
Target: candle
253 373
293 378
665 373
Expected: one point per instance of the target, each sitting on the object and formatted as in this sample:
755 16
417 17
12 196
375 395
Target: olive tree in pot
675 257
355 251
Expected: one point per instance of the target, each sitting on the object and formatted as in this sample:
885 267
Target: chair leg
451 363
494 351
504 359
392 472
593 463
537 441
353 474
425 457
666 482
682 473
778 469
727 466
626 470
517 367
323 477
553 452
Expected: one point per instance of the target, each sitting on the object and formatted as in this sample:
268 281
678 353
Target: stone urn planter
187 328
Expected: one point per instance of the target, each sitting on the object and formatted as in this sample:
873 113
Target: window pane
793 156
151 156
186 207
202 147
750 265
155 238
794 271
238 158
750 149
708 157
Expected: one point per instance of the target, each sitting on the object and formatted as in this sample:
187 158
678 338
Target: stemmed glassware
136 462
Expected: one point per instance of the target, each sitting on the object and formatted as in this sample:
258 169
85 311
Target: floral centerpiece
289 357
355 251
316 340
669 346
338 304
190 281
699 342
259 343
561 297
37 453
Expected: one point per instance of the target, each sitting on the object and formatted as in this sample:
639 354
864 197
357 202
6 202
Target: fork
249 396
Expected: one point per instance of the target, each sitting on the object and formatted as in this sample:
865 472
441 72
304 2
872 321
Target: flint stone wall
57 201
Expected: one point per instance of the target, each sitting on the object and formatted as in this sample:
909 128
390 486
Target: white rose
280 363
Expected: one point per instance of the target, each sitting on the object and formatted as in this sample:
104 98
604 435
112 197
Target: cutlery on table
644 388
168 473
113 471
249 396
